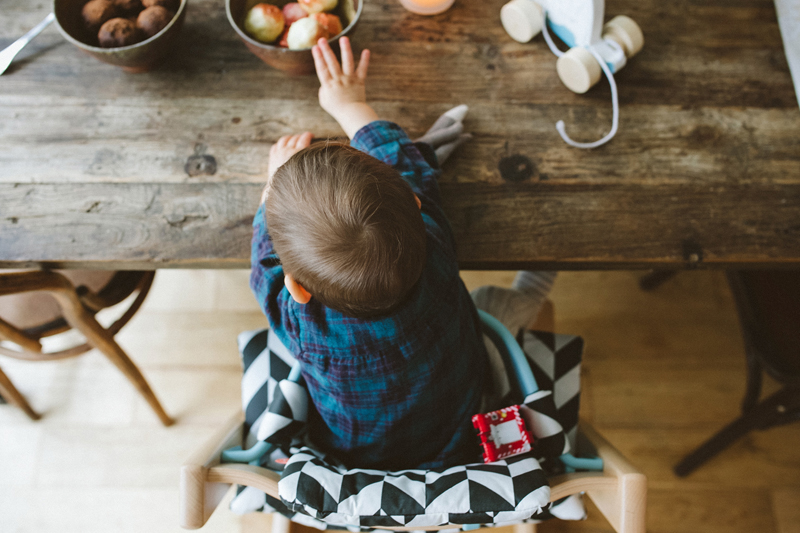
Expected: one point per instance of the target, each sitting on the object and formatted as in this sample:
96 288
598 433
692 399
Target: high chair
39 304
618 491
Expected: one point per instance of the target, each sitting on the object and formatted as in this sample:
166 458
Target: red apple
292 12
331 24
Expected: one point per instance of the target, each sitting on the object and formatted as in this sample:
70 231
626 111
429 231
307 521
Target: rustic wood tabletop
104 169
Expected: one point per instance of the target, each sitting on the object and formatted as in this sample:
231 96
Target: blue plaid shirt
393 392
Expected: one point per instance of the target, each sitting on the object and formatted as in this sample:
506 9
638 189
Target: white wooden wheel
625 32
522 19
578 70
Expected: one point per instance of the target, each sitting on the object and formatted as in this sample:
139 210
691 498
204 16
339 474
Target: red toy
502 433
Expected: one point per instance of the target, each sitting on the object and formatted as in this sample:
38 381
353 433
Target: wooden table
104 169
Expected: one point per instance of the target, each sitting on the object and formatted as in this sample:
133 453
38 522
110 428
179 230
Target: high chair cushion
265 361
319 492
556 364
504 491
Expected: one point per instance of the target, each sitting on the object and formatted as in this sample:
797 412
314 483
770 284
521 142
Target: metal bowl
290 61
139 57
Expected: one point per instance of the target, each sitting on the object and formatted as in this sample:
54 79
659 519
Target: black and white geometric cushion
541 418
266 362
501 492
556 363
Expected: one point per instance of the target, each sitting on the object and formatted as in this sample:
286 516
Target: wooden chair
619 491
70 307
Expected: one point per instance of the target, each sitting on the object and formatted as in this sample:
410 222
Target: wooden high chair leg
281 524
624 504
14 397
290 527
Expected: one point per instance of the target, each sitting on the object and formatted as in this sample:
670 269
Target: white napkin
789 21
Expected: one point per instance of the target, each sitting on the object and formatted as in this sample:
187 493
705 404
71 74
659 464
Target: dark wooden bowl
139 57
295 62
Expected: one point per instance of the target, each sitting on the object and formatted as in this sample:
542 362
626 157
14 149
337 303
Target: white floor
99 460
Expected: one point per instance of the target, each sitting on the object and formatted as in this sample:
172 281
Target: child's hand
281 151
341 85
343 92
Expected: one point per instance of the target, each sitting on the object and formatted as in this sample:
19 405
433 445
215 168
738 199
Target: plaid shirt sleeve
389 143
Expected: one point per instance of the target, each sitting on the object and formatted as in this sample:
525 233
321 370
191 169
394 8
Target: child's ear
298 292
419 202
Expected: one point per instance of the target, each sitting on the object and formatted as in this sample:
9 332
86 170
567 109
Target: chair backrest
30 309
33 309
513 357
273 429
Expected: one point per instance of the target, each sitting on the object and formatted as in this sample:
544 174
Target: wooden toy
594 48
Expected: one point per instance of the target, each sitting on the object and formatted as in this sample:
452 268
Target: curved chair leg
109 347
117 355
10 393
781 407
101 339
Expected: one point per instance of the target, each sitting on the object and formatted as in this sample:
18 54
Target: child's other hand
341 85
281 151
343 90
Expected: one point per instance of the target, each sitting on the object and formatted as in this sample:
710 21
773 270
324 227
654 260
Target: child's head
347 228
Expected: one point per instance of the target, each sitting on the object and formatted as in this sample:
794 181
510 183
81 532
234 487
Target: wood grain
705 170
658 144
539 224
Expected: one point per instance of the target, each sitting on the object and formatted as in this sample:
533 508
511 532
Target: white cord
614 99
614 104
549 40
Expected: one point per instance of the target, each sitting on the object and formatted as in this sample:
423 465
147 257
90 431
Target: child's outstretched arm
343 92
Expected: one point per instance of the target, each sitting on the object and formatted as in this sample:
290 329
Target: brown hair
346 226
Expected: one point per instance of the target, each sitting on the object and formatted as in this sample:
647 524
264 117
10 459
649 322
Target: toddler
354 264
